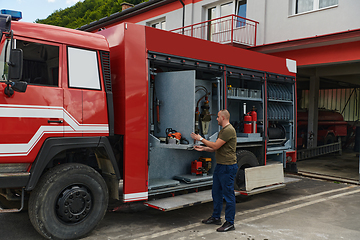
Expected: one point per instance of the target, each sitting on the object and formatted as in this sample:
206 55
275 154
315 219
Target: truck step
263 176
9 210
186 200
287 180
15 209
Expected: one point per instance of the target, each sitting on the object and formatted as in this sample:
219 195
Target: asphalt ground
308 209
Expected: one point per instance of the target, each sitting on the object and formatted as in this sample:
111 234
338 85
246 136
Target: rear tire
68 201
245 159
330 138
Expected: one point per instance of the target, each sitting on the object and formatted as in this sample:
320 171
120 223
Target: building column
313 112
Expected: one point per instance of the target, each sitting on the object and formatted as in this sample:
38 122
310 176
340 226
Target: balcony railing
230 29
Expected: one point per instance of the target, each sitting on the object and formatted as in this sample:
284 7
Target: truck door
27 119
84 97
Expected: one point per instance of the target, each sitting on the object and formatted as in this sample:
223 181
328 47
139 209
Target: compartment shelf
156 143
245 98
176 146
245 139
279 101
248 137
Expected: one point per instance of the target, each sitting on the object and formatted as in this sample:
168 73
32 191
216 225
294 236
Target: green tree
85 12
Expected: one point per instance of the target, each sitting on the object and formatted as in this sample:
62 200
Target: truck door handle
55 121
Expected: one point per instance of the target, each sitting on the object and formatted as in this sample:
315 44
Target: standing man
224 173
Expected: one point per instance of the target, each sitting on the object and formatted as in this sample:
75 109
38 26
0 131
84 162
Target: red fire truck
76 136
331 127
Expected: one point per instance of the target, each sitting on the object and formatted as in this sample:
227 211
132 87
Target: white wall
277 22
194 13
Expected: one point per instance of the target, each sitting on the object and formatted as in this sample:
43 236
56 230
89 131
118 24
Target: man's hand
199 148
203 149
195 136
210 146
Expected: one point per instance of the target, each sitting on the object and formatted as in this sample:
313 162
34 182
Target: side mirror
5 23
19 86
15 64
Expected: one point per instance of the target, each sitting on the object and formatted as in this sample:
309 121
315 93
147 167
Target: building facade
322 36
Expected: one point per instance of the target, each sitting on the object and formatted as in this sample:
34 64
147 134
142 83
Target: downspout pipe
183 18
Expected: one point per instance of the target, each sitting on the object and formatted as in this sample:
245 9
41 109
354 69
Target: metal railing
318 151
227 30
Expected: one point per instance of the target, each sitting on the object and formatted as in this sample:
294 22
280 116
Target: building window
222 9
310 5
304 5
242 8
159 24
211 13
226 9
327 3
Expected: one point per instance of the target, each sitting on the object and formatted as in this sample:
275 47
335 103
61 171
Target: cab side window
41 63
83 69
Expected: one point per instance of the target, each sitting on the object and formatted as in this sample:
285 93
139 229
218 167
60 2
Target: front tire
68 202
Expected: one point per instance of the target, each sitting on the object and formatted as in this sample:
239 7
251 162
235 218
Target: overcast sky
33 9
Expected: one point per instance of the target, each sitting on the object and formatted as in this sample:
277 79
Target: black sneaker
212 220
226 227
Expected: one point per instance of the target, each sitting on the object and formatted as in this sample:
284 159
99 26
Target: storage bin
255 93
243 92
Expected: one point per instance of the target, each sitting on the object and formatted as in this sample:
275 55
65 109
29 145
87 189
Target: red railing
227 29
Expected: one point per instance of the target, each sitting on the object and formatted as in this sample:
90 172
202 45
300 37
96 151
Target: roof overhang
121 16
334 58
310 42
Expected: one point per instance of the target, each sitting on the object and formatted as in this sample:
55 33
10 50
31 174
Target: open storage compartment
245 96
184 99
281 116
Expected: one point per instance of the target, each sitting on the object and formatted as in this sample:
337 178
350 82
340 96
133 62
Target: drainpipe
183 19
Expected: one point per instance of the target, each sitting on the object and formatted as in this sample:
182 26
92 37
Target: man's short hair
225 113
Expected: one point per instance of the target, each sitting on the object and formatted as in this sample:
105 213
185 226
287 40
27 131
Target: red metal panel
24 120
94 110
24 123
115 36
73 105
180 45
72 98
61 35
130 84
326 54
291 154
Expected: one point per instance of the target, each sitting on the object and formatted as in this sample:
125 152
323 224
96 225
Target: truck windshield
3 65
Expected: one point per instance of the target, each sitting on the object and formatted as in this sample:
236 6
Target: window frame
160 21
98 69
2 47
316 7
44 43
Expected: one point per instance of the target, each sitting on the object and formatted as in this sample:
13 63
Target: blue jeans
223 188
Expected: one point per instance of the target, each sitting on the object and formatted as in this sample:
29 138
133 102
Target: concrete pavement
308 209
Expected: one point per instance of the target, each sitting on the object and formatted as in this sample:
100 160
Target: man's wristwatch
201 138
